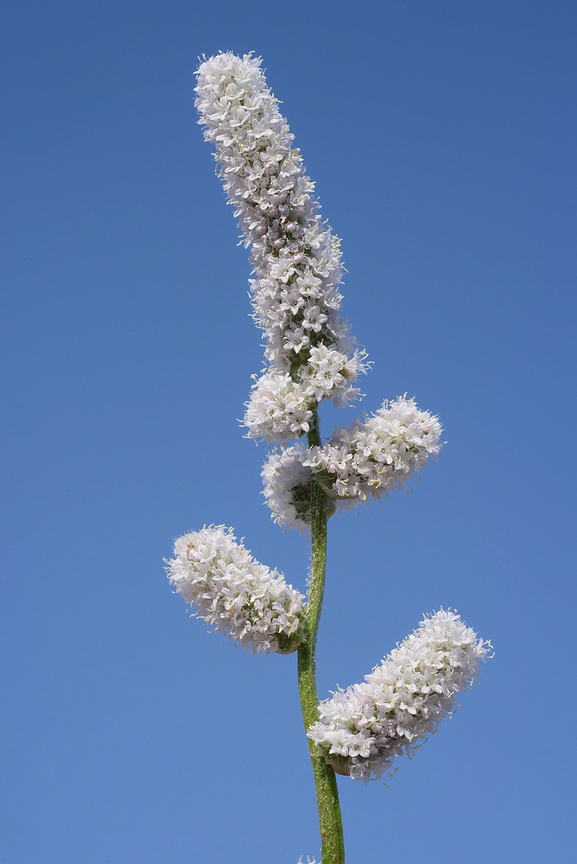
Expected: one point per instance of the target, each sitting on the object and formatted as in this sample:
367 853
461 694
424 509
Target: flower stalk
330 821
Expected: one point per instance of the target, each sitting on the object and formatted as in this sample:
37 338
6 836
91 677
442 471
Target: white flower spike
378 454
232 591
363 728
296 259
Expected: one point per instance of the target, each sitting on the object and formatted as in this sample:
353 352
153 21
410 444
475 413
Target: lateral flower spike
362 729
230 590
377 454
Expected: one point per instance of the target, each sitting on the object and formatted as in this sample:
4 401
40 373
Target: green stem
331 827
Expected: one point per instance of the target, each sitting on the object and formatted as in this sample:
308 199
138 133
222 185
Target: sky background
442 138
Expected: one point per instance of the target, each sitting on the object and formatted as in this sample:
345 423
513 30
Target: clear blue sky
442 137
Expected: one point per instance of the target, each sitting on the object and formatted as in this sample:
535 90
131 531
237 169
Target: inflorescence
363 728
296 258
367 460
235 593
311 356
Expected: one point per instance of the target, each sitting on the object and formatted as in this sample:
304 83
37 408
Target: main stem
330 822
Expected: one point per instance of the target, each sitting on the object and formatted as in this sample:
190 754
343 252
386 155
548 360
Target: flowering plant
311 356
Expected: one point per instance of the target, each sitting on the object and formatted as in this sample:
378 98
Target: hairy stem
331 828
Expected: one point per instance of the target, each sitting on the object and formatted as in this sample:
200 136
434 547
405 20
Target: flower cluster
377 454
287 487
296 258
363 728
367 460
232 591
278 408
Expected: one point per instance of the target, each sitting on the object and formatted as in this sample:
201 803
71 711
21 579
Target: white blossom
278 408
377 454
296 258
235 593
329 373
287 487
363 728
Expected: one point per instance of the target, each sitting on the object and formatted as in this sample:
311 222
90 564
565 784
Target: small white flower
232 591
377 454
278 409
328 374
363 728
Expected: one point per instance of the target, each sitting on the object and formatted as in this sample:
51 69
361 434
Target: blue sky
442 137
